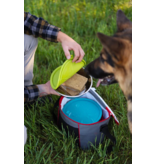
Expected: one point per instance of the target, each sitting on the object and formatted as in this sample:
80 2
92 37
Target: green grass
81 20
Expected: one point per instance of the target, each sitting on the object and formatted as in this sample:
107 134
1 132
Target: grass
81 20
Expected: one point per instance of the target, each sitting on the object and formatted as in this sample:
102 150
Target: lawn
81 20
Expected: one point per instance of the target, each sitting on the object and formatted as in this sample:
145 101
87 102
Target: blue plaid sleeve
31 93
38 27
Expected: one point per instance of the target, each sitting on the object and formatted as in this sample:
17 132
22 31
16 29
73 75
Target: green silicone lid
64 72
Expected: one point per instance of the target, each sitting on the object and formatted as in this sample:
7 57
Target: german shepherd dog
115 61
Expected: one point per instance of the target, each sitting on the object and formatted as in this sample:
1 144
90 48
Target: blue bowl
83 110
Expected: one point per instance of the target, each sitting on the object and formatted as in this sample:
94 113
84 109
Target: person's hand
46 89
50 90
69 44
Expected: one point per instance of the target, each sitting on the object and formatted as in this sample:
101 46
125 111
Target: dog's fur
116 59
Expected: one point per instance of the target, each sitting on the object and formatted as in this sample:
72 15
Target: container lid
83 110
64 72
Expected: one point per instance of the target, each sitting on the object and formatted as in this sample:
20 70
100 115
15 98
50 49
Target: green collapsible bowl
64 72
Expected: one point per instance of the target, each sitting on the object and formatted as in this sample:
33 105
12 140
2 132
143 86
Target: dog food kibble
76 82
68 91
74 85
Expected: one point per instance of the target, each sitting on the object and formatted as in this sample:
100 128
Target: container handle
104 129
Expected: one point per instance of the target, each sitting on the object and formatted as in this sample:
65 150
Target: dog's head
115 61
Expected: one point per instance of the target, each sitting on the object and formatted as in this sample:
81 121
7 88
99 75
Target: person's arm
38 27
32 92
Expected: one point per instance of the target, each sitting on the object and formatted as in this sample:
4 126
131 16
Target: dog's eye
102 59
102 56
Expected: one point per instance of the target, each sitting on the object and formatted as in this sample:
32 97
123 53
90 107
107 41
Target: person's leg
30 45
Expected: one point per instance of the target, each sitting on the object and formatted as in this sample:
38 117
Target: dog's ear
122 21
111 44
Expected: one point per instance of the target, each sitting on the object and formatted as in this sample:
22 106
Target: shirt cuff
31 93
52 33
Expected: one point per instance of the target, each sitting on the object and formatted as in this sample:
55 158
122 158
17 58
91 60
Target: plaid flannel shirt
31 93
37 27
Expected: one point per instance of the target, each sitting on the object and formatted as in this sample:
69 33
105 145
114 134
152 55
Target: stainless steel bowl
88 85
